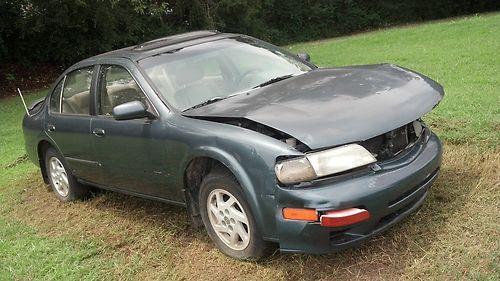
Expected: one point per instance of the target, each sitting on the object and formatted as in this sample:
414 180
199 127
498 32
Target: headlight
323 163
294 171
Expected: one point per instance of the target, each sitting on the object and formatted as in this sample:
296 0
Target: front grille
390 144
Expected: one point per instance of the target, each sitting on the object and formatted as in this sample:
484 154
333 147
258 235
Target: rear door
131 158
68 121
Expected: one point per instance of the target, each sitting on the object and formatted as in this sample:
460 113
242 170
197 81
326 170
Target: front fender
262 205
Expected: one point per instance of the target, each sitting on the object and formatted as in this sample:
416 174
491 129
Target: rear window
76 92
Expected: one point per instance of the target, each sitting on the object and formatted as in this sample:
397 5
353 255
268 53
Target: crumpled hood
333 106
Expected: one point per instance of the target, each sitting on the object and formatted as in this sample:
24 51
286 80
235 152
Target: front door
130 158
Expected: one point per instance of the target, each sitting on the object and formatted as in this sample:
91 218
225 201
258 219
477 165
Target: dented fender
251 162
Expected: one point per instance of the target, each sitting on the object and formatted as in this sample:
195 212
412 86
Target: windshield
193 75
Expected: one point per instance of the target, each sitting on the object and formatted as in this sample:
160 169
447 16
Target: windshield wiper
273 80
207 102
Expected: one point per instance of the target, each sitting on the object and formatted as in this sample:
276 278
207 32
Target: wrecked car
261 146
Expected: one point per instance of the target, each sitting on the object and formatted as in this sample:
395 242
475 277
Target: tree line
65 31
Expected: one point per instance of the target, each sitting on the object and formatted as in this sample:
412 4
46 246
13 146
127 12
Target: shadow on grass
157 240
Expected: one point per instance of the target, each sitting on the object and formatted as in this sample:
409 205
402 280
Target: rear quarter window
55 98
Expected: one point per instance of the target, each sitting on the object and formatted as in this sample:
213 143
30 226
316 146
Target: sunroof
174 39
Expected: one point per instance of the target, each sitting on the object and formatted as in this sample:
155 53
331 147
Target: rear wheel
63 183
228 219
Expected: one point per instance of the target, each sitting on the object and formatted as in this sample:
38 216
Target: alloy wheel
58 176
228 219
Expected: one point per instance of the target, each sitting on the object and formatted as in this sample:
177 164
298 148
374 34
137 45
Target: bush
65 31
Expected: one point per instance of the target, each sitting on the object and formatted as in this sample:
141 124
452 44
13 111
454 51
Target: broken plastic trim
390 144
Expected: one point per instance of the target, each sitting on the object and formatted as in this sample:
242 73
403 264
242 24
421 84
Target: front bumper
389 194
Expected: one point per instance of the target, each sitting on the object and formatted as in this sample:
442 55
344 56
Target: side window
55 98
76 92
116 87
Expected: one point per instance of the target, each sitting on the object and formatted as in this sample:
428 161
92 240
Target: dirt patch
155 242
21 159
26 78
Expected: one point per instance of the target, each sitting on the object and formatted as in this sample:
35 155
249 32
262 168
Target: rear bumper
389 194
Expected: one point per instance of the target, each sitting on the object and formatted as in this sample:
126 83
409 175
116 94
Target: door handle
98 132
51 128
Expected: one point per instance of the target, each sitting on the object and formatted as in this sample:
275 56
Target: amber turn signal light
300 214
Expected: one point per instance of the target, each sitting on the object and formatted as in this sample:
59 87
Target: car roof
161 45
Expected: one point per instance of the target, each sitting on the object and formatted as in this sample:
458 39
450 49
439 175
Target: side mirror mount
130 110
304 56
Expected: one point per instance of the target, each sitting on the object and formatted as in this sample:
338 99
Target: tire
228 218
63 183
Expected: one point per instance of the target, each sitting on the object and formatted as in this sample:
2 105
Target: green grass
12 112
25 254
454 235
463 55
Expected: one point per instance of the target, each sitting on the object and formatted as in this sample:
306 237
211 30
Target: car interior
77 103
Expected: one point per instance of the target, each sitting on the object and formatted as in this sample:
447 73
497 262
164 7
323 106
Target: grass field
455 235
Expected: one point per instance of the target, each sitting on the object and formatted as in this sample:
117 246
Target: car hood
333 106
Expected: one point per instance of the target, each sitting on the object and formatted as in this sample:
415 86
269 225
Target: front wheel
228 219
63 183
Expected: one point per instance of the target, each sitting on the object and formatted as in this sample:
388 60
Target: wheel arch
203 161
42 147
